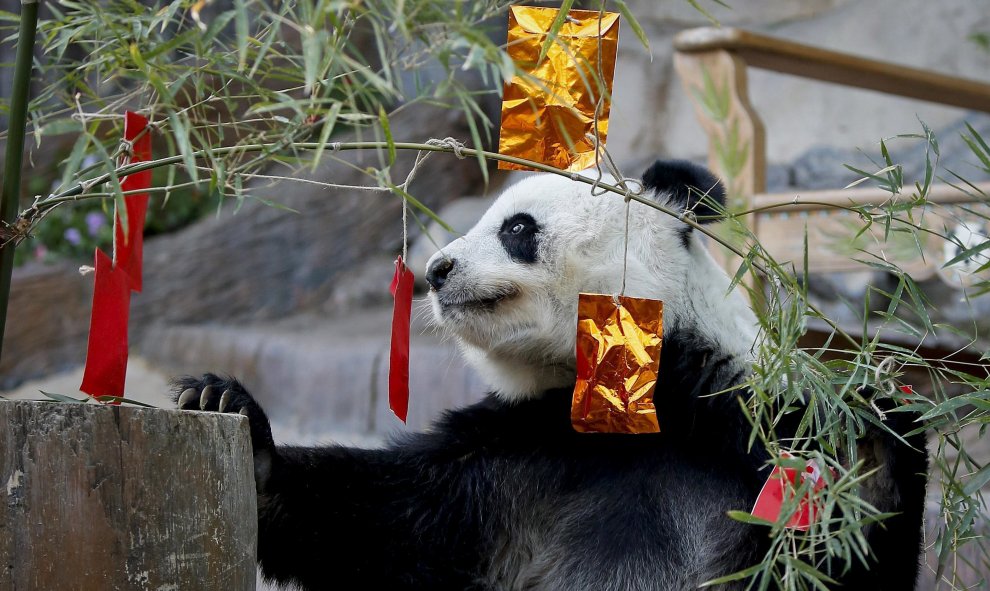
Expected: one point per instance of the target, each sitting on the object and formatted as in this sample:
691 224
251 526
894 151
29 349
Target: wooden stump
99 497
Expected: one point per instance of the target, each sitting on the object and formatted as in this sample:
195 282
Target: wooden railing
712 64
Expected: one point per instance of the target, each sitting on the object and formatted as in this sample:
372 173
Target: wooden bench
712 64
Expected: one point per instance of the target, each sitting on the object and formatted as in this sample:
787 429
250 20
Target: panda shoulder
685 185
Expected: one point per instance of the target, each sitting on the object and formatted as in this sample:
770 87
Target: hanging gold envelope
548 111
618 362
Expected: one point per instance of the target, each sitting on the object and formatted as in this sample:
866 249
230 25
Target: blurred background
296 305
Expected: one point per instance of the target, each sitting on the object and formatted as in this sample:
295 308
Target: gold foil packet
548 113
618 357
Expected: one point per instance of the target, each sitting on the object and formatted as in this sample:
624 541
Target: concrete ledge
320 378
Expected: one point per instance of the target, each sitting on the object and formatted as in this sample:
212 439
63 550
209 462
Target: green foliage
246 73
982 39
953 400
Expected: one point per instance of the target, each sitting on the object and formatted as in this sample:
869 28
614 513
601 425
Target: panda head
508 289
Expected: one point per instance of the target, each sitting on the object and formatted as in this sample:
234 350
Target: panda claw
207 398
187 397
225 399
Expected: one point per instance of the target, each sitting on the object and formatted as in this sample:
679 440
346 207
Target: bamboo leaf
636 27
946 407
737 576
114 399
977 481
555 26
420 206
242 32
383 120
312 54
329 122
744 517
181 135
967 254
711 18
63 398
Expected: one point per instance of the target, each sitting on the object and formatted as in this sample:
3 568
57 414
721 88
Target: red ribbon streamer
128 248
106 356
398 359
106 352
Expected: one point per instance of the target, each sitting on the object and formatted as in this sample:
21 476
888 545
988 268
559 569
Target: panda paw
212 393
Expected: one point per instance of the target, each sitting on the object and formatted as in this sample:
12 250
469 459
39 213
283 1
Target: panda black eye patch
520 237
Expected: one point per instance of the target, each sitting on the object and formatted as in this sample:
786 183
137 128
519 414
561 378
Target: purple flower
94 223
73 236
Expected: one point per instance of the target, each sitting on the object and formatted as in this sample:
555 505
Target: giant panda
504 494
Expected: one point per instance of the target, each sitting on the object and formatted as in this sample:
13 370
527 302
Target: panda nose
436 275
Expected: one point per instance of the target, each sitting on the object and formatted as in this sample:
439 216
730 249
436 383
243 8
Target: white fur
526 344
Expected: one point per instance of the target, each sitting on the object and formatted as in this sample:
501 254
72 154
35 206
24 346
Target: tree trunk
100 497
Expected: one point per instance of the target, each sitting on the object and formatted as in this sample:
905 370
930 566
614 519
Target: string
625 251
405 233
882 377
455 145
601 154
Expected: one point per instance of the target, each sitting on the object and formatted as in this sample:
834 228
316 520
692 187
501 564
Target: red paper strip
782 484
106 353
909 390
128 247
398 359
106 357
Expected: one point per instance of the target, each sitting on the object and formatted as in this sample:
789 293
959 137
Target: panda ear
686 186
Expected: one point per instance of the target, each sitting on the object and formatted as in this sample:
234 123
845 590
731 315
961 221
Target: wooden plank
717 84
788 57
100 497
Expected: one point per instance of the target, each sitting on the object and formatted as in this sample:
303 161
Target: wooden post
101 497
717 85
716 82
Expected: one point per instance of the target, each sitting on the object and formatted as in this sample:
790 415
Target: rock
265 262
47 321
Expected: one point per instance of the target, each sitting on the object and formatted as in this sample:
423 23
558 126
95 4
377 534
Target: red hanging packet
782 484
398 359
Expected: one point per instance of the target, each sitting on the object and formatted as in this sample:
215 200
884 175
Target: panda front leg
337 517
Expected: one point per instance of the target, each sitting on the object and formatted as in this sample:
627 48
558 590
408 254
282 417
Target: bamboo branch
9 198
80 190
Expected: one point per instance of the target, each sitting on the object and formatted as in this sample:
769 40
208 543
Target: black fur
688 186
499 495
520 237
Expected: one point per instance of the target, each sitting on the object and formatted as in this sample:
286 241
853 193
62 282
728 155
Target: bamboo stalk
79 190
10 196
